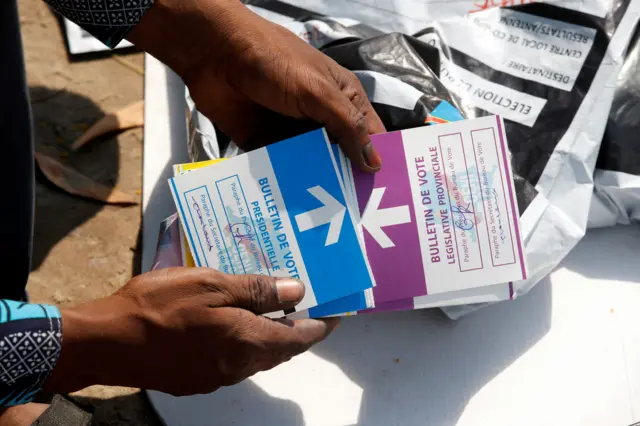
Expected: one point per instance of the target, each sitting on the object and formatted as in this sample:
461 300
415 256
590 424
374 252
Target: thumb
263 294
291 338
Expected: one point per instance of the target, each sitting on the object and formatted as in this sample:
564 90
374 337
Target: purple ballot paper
388 216
441 215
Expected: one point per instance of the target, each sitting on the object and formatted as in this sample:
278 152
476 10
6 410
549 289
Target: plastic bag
617 178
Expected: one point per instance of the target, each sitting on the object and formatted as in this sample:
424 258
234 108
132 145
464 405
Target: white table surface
567 353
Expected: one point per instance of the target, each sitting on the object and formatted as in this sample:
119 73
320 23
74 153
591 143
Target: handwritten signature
203 225
242 231
462 220
498 220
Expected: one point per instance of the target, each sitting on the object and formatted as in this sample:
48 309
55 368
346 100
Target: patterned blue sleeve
30 342
107 20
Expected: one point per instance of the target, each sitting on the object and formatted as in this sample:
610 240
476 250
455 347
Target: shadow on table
414 368
609 248
246 402
424 368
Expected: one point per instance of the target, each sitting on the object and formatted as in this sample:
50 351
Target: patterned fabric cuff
30 343
107 20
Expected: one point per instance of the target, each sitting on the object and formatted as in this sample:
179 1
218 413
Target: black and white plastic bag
617 177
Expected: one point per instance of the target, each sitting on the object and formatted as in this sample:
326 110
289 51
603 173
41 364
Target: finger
353 89
352 84
347 124
290 338
374 123
262 294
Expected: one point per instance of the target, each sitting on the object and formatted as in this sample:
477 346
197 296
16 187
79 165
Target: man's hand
183 331
246 73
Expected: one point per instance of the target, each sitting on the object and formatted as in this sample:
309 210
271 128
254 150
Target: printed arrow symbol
374 218
332 212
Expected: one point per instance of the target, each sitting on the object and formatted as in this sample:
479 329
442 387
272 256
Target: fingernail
371 157
289 290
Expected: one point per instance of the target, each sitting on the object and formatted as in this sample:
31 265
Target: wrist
183 34
99 338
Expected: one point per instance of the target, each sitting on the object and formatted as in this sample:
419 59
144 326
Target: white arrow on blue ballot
332 212
374 218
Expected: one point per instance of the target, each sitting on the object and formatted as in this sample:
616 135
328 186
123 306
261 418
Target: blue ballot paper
279 211
341 307
354 302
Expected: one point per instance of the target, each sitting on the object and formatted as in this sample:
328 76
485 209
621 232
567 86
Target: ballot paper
443 206
440 220
278 211
355 302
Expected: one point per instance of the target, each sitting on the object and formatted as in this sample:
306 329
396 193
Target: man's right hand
183 331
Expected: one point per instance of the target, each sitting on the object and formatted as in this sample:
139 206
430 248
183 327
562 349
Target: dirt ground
83 249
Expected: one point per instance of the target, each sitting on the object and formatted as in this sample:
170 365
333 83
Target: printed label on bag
530 47
477 92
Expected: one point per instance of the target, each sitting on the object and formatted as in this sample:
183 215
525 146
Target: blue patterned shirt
30 342
107 20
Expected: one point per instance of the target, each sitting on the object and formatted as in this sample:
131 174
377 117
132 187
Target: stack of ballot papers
438 225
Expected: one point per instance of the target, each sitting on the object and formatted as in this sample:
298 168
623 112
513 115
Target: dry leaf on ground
74 182
128 117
